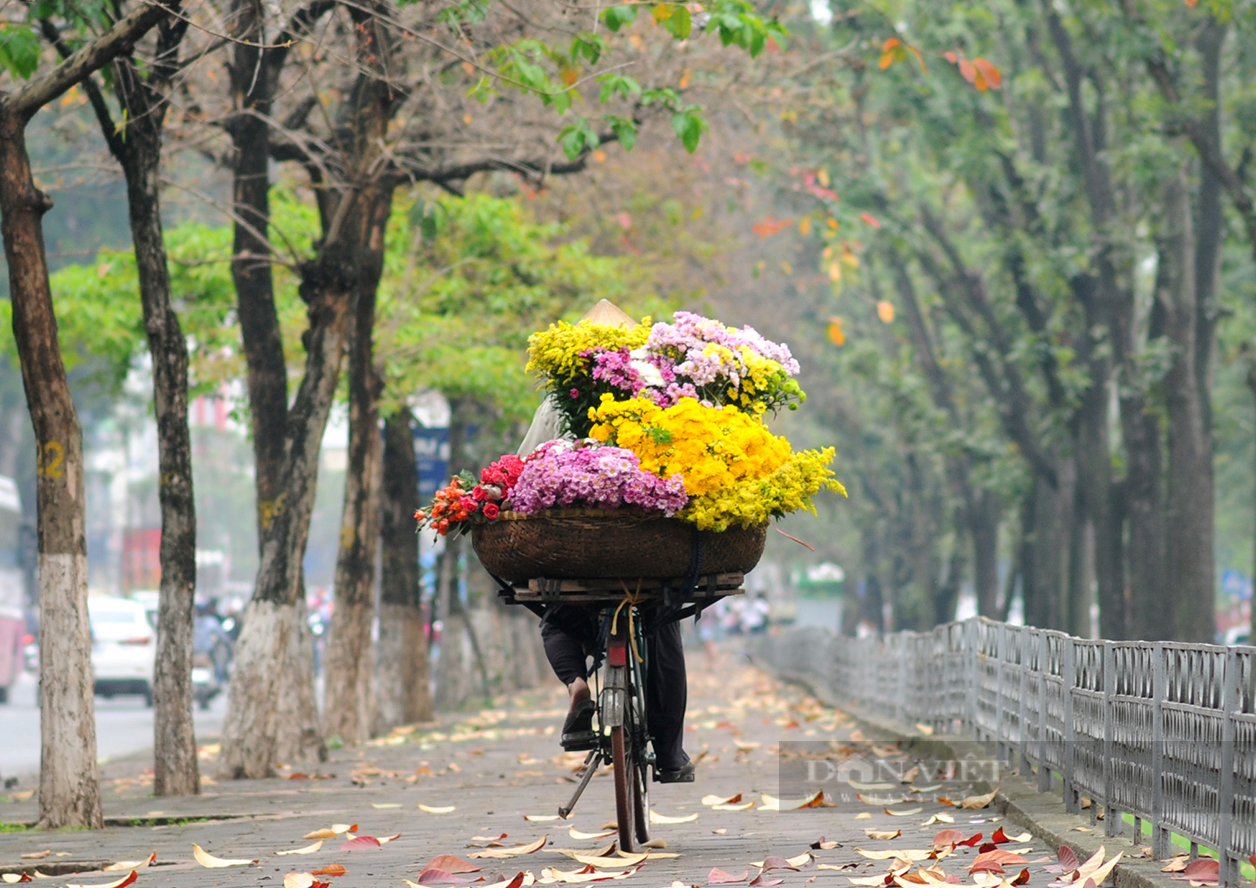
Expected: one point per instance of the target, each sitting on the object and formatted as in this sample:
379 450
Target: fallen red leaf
999 837
361 843
1204 869
971 840
516 882
719 877
451 864
431 876
1022 878
947 838
986 846
760 882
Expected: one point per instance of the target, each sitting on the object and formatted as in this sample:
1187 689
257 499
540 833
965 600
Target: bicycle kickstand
591 764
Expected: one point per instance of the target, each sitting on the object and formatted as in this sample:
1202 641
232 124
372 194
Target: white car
124 646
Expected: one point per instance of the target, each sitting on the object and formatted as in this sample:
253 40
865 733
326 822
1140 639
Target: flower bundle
560 473
666 417
462 502
691 357
735 471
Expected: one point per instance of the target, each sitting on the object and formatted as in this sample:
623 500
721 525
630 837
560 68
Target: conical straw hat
609 314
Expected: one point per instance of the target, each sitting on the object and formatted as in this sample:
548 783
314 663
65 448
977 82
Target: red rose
478 493
491 511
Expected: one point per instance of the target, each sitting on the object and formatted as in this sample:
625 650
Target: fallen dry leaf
504 853
209 861
719 877
871 787
361 843
710 800
760 882
610 862
1175 864
332 869
580 835
938 818
120 883
444 809
14 878
308 849
905 812
734 806
863 815
973 803
300 880
37 855
884 834
124 865
906 854
869 880
663 818
533 818
331 832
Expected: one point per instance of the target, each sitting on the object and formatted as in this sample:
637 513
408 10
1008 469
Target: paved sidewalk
493 767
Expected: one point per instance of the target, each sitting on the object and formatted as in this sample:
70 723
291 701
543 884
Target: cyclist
570 636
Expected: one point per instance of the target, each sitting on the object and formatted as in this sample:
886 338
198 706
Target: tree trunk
984 525
174 741
402 693
1188 513
1046 552
252 83
69 783
347 712
271 620
297 734
1149 599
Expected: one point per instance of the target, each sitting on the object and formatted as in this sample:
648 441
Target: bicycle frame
623 731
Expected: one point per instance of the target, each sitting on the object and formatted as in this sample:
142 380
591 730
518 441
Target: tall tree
142 92
69 783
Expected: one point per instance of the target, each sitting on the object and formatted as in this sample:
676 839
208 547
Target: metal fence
1162 731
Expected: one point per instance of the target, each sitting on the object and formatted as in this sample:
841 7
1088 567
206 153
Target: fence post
1111 817
1068 670
1044 671
1023 637
900 698
971 636
1159 687
1225 791
1001 634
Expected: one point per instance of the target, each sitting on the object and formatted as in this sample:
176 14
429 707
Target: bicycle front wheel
623 760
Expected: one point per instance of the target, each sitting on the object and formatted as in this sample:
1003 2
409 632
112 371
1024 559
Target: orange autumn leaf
771 226
836 335
885 311
988 72
870 219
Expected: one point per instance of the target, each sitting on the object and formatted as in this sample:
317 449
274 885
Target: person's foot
683 774
578 734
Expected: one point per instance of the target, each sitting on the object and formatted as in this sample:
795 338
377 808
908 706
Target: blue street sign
431 446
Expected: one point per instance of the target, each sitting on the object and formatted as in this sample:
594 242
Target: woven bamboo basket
597 544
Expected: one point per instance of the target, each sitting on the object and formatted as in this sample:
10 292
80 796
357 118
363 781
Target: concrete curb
1017 798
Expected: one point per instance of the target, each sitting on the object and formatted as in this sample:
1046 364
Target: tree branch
95 55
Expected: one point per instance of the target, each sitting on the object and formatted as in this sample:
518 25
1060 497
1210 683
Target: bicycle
619 686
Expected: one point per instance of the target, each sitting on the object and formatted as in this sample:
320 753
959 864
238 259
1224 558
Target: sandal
578 734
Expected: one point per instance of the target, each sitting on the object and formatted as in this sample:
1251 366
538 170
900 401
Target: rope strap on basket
632 599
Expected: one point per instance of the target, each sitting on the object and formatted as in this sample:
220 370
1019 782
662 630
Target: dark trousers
570 636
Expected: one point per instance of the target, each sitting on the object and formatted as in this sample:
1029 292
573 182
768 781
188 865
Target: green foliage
19 50
465 282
